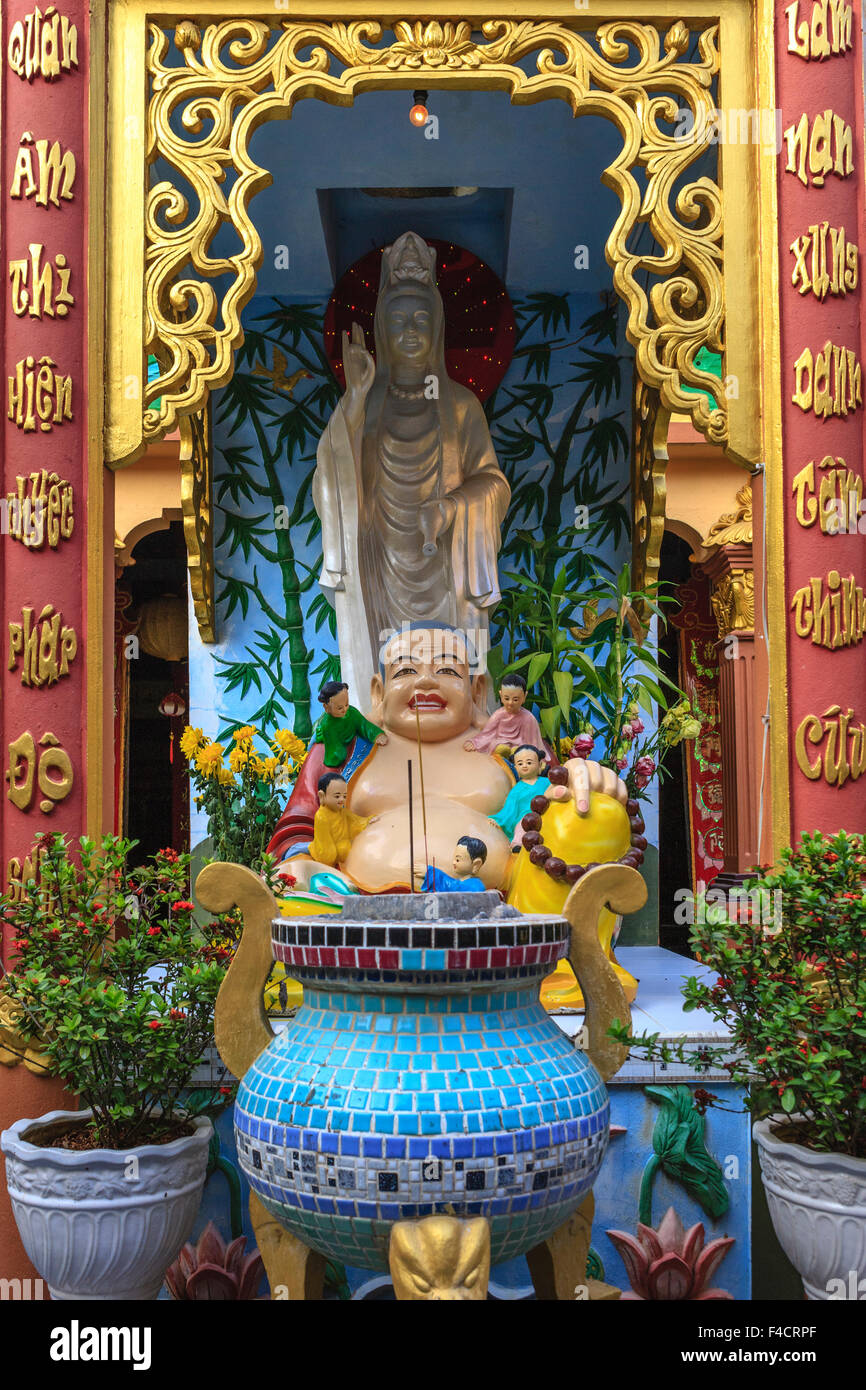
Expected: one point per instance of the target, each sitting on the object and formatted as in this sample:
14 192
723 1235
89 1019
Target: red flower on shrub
155 1023
153 931
182 906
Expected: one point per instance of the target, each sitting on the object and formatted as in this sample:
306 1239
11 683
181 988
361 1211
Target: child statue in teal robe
529 764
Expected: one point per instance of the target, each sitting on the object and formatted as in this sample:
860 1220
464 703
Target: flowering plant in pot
791 987
242 792
114 984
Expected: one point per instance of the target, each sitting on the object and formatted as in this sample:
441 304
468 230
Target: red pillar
51 517
822 232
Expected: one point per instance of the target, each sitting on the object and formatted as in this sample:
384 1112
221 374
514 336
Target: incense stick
411 831
423 802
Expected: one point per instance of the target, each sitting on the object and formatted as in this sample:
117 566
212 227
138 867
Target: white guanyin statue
407 485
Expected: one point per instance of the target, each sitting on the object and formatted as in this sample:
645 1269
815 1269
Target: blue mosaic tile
390 1090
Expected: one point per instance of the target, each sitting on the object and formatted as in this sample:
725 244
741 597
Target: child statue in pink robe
511 725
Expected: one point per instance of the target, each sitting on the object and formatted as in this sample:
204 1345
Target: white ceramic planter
105 1224
817 1203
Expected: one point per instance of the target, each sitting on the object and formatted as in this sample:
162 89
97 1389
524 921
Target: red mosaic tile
479 960
389 960
366 959
457 960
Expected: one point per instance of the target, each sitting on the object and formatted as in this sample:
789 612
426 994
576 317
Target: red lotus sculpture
671 1263
214 1271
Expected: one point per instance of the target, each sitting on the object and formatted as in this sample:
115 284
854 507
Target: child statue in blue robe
529 764
469 856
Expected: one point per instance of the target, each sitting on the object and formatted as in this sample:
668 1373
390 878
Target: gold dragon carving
240 72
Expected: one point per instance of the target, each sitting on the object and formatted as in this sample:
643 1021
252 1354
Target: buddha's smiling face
409 326
428 682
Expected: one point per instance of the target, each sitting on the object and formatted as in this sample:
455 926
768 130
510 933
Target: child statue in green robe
340 723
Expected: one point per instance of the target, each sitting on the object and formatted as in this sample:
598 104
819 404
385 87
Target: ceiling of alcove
536 168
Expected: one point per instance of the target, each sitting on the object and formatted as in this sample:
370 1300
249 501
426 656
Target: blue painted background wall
537 172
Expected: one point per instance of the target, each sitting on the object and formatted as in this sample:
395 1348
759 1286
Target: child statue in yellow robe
334 825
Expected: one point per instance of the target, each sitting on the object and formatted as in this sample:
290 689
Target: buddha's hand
585 777
557 793
469 746
360 370
435 517
382 740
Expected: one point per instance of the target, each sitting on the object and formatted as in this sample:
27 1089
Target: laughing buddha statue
428 701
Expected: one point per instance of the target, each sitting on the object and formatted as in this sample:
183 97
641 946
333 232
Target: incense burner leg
440 1259
294 1271
558 1266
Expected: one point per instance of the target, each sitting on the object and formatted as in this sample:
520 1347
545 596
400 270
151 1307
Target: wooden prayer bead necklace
542 857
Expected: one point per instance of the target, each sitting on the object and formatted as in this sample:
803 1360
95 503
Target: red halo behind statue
480 330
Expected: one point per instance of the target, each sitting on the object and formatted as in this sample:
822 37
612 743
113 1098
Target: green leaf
789 1101
564 685
549 720
537 666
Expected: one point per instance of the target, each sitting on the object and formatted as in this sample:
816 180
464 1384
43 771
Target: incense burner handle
622 889
241 1027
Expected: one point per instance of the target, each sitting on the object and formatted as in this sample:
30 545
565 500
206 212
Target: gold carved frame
199 114
711 285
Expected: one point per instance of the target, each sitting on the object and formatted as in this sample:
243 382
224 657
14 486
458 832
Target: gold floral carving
17 1043
733 602
735 528
648 486
196 489
240 72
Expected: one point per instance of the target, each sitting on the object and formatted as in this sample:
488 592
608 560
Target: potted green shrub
791 986
114 987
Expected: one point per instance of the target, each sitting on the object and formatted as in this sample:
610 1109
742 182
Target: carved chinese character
819 40
833 616
843 754
829 384
37 392
42 45
56 172
45 511
43 647
822 274
827 149
27 767
39 289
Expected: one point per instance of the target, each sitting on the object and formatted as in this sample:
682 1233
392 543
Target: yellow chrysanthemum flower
238 758
288 743
267 768
245 735
191 741
225 776
208 760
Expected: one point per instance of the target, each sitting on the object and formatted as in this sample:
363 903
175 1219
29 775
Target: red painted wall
820 679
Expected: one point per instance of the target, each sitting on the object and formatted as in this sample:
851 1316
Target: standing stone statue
407 485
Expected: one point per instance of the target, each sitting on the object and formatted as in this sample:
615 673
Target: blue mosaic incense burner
421 1075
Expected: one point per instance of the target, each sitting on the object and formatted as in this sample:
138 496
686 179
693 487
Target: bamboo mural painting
560 423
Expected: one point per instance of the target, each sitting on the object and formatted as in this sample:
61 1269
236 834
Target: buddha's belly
379 856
